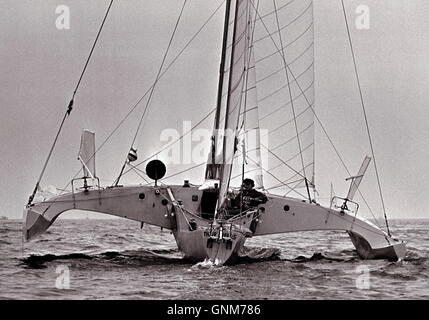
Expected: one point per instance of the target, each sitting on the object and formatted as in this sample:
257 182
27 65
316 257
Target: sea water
115 259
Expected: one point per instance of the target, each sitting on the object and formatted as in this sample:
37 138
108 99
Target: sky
40 65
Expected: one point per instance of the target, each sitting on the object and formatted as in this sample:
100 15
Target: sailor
251 197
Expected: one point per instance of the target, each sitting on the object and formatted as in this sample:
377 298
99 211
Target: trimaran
265 81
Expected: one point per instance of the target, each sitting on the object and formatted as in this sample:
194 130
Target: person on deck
251 197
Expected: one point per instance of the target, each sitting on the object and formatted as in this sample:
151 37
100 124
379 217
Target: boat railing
86 187
344 205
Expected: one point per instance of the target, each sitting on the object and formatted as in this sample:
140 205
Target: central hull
218 242
199 246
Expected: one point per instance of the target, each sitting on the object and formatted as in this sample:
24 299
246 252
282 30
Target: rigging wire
271 174
179 172
296 174
69 107
365 116
92 49
286 104
285 162
153 88
270 13
289 43
290 63
310 126
287 85
138 171
269 171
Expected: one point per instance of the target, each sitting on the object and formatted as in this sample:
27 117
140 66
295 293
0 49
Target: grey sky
40 66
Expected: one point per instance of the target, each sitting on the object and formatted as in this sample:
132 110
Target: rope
69 107
153 88
365 116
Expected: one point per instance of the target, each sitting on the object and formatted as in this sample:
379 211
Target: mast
211 169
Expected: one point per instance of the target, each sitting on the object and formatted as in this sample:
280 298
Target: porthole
286 208
142 196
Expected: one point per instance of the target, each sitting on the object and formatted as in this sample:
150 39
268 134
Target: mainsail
284 60
265 121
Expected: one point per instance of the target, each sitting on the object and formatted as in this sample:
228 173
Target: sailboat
266 80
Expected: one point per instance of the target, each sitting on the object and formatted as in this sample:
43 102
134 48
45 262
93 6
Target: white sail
356 180
87 153
284 63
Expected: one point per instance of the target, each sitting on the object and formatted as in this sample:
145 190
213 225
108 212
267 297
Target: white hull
154 205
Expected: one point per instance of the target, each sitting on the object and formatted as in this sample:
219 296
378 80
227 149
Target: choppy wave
259 254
